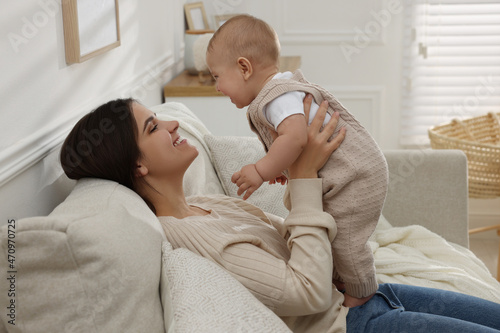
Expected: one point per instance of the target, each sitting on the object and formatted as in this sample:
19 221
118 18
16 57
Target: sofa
100 262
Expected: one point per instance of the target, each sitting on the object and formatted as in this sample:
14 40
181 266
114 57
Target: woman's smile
179 141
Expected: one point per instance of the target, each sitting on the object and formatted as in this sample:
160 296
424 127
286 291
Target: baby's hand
248 180
351 301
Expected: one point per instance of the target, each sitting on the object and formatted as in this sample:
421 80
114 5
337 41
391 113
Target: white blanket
416 256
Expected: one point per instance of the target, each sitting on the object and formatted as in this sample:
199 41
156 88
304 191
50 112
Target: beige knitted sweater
286 264
355 180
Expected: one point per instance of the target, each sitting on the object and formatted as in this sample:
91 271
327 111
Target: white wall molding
34 147
350 35
371 97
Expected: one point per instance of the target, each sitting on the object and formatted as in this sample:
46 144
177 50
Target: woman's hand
279 180
318 149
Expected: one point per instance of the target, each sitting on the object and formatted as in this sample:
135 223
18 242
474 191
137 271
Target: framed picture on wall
195 16
91 27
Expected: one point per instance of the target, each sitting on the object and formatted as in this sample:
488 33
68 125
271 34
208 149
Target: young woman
286 264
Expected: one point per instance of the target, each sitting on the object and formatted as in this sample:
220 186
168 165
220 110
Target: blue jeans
402 308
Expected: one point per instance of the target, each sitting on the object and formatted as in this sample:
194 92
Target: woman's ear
141 170
245 67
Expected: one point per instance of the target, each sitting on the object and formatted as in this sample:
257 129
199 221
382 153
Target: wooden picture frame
195 16
221 19
91 27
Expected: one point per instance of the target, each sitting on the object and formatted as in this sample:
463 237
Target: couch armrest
429 188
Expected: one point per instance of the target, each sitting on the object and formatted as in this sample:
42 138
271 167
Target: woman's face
164 152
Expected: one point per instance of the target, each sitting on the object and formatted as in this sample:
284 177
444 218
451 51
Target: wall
358 49
351 48
42 97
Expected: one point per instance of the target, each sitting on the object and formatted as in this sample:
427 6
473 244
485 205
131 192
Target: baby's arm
292 137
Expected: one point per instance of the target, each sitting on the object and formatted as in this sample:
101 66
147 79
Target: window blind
451 64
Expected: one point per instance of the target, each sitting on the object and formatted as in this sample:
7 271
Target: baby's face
229 78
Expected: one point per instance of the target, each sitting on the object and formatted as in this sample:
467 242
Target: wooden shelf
186 85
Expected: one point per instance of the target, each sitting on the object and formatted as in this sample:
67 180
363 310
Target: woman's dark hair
103 144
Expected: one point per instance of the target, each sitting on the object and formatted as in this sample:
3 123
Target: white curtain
451 64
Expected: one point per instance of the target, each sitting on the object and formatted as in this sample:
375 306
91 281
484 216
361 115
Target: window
451 64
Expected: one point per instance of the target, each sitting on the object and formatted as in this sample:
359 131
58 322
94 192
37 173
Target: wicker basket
479 138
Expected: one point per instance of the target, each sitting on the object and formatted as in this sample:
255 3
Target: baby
243 57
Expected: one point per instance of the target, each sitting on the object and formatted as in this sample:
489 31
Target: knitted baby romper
355 180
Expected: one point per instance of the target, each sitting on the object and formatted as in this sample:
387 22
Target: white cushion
230 154
206 298
92 265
